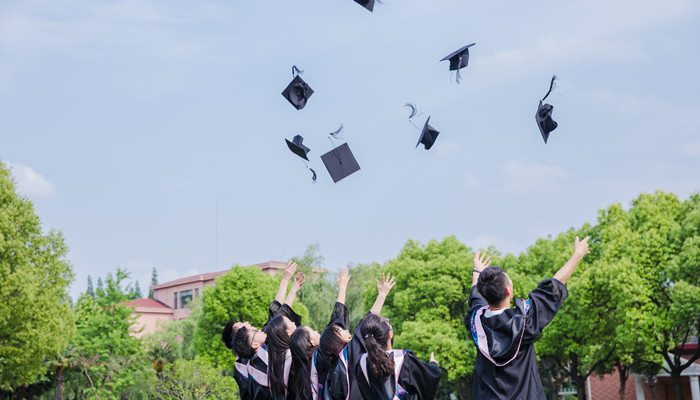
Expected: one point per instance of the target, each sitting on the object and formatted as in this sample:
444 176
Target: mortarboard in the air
428 135
298 91
544 115
368 4
459 59
340 162
297 147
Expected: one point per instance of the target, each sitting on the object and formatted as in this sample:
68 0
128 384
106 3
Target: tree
318 293
100 285
242 294
137 291
154 281
34 274
194 379
90 290
428 305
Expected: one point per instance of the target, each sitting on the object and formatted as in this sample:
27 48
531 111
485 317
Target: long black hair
277 346
302 354
375 330
330 345
492 284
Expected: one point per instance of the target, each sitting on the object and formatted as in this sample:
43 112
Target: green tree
90 290
194 379
318 293
154 281
34 276
137 291
428 305
361 284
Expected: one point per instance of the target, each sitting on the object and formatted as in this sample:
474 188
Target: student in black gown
305 344
506 364
384 373
259 384
340 382
244 339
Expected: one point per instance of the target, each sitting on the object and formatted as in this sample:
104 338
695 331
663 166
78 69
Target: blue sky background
151 133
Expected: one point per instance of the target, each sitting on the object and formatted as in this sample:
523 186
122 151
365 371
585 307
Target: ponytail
375 331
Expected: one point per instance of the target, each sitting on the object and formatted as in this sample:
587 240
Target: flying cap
427 135
544 115
298 91
459 59
340 162
368 4
297 147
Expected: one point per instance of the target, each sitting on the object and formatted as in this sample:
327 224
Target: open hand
385 286
432 358
289 270
298 282
581 247
481 261
343 279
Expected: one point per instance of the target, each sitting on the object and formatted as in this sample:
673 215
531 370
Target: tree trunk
624 374
678 394
60 379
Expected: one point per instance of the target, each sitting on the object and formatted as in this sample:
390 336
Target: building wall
607 387
148 320
167 295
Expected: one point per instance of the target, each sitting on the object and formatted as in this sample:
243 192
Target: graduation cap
544 115
299 149
459 59
427 135
368 4
340 162
298 91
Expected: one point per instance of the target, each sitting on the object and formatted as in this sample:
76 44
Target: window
185 297
175 301
196 292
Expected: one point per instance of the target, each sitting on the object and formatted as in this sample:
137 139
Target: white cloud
532 179
29 182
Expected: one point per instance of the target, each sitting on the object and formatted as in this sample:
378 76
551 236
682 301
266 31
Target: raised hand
385 286
581 247
298 282
343 279
432 358
289 271
481 261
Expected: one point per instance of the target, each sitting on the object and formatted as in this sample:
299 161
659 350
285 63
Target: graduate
305 344
506 364
384 373
341 382
244 339
282 324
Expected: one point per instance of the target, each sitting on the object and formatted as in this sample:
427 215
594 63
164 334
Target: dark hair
375 330
227 334
492 284
241 343
277 346
330 345
302 353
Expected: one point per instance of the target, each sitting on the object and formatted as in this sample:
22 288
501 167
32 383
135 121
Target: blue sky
151 133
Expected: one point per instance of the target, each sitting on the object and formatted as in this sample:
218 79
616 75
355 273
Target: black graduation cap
340 162
297 147
459 59
368 4
428 135
298 91
544 115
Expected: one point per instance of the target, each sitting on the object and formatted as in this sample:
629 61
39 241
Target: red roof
146 303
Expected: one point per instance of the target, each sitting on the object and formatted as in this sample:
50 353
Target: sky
151 132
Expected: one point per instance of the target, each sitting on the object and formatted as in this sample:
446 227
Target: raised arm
383 289
580 250
287 275
296 285
480 262
342 282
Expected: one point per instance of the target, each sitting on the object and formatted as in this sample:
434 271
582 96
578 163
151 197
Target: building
170 298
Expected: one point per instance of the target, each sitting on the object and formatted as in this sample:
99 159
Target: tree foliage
34 278
192 380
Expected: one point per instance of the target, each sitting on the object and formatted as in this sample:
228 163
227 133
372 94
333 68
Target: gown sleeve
544 301
419 378
336 385
340 316
287 311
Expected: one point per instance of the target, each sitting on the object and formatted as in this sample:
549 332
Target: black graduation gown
257 366
240 374
341 317
341 379
511 372
418 379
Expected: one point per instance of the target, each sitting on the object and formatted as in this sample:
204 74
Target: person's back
506 363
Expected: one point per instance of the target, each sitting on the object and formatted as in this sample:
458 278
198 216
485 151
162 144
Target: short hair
241 344
492 284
